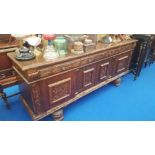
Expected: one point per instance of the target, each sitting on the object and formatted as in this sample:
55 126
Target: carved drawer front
59 68
122 63
103 70
86 77
60 89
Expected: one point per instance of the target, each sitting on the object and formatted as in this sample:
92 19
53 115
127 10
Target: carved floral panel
59 90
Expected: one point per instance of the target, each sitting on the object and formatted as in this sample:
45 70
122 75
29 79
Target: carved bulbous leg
117 82
58 115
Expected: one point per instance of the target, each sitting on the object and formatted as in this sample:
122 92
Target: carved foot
117 82
58 115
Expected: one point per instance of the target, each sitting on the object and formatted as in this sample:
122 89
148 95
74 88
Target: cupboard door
103 70
122 63
86 77
60 88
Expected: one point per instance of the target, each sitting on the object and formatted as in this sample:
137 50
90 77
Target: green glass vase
60 44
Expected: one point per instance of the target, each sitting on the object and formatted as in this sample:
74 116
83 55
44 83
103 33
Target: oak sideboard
48 86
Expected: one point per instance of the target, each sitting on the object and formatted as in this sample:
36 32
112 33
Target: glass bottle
49 52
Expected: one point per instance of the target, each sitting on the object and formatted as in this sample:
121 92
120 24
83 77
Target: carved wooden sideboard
48 86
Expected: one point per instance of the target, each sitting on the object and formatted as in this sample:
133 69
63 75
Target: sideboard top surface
39 62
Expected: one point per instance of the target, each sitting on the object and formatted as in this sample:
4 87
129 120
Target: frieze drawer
59 68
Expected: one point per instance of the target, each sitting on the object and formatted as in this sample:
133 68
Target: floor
131 101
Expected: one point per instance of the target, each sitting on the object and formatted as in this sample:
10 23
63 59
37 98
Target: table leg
117 82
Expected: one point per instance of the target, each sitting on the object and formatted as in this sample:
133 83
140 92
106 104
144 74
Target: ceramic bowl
34 41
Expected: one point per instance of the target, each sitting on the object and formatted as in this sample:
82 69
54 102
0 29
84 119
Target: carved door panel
86 77
103 70
122 63
60 88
